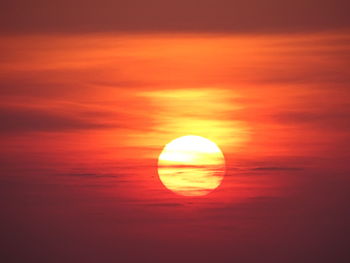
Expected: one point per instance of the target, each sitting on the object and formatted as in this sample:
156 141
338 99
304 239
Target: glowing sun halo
191 166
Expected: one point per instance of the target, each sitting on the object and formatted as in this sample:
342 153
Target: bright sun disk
191 166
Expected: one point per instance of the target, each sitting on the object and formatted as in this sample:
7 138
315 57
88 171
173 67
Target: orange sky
85 117
140 91
271 102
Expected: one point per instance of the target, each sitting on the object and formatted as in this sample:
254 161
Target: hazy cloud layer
20 16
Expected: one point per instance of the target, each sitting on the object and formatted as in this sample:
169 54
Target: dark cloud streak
336 118
15 120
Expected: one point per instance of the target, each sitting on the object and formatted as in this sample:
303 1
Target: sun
191 166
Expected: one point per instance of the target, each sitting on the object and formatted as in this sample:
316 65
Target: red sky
91 93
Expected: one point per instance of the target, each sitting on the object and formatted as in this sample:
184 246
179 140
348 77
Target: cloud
323 118
15 120
277 168
163 204
183 15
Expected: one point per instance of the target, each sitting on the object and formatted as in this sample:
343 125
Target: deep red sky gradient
91 93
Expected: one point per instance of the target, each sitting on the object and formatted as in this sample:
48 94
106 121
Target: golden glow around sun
191 166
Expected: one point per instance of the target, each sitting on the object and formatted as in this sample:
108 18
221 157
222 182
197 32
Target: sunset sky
92 91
